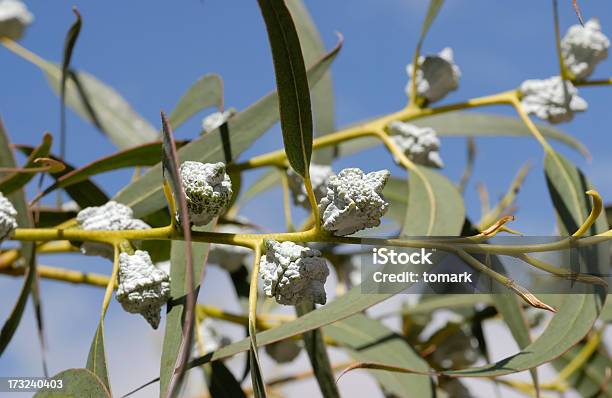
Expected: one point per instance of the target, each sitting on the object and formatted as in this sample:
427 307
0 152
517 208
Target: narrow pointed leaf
291 83
76 383
15 181
206 92
96 359
69 43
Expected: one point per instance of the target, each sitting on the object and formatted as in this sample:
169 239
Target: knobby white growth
354 201
284 351
437 75
229 257
112 216
583 47
293 274
419 144
552 99
14 19
215 120
8 221
208 190
319 174
208 339
143 288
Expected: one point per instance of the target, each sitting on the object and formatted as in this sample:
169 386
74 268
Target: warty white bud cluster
354 201
284 351
293 274
319 175
143 288
583 47
552 99
437 75
14 19
216 120
229 257
112 216
419 144
208 190
8 218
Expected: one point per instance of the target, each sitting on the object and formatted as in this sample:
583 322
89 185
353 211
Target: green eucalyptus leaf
590 380
206 92
291 83
365 339
145 195
435 206
15 181
322 95
69 42
76 383
96 359
24 220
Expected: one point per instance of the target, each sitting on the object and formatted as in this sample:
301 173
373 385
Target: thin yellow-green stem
560 272
599 82
254 355
516 103
592 218
108 294
62 274
286 199
313 203
582 357
23 52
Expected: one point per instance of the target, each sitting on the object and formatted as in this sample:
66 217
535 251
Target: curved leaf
206 92
435 206
15 181
76 383
291 83
69 43
96 359
365 339
145 195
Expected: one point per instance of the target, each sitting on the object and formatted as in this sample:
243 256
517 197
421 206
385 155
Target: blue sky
151 51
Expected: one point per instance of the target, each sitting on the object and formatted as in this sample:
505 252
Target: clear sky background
152 51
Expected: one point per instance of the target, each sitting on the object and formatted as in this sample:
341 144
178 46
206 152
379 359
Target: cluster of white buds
319 175
437 75
8 221
143 288
208 338
284 351
354 201
229 257
14 18
419 144
216 120
112 216
583 47
552 99
293 274
208 190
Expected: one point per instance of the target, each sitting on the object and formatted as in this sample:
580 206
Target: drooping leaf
291 83
96 359
474 124
322 95
435 206
186 281
84 192
69 43
76 383
15 181
206 92
24 220
145 195
366 339
317 353
223 384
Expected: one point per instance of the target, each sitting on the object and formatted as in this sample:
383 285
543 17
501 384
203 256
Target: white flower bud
284 351
112 216
229 257
8 215
319 174
437 75
143 288
354 201
293 274
208 190
14 19
419 144
215 120
552 99
209 339
583 47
